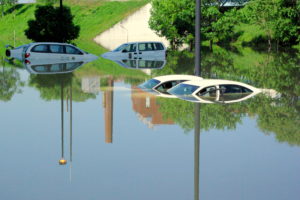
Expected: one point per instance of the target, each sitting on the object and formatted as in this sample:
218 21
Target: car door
38 52
72 53
58 53
130 52
145 51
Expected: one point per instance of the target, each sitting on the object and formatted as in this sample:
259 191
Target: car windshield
183 89
120 47
149 84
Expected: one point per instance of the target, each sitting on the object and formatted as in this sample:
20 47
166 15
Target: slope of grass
93 17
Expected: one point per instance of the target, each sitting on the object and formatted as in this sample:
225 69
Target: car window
130 48
226 89
158 46
232 96
150 63
120 47
74 65
72 50
183 89
130 63
42 48
40 68
167 85
56 49
210 91
146 47
150 84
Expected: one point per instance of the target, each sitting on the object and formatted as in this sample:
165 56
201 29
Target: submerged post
197 39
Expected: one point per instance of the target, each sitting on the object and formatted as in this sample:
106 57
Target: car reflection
214 91
141 64
55 68
34 65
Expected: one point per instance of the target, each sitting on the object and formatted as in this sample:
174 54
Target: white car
159 85
48 50
138 50
214 91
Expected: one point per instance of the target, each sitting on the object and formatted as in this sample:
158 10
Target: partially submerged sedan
161 84
48 50
214 91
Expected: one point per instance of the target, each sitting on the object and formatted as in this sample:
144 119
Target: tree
175 21
52 25
280 19
3 3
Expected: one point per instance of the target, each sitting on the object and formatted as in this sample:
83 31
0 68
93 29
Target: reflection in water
147 108
108 105
261 114
10 82
62 161
196 151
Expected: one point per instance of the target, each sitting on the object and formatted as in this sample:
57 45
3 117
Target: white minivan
138 50
49 50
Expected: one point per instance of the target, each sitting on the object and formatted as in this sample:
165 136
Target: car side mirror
124 51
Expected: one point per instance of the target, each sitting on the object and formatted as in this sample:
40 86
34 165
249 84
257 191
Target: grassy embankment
93 17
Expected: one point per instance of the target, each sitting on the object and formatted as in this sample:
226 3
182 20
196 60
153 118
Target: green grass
93 17
248 33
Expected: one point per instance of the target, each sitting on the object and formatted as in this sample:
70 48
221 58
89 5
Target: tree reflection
10 82
49 86
276 70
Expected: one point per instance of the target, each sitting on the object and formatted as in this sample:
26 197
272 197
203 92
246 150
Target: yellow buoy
62 162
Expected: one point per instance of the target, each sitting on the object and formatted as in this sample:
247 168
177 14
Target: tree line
278 19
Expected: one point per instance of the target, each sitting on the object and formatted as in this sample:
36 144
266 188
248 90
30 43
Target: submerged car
48 50
137 50
214 91
161 84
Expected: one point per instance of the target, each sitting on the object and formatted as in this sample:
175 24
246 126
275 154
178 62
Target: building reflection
108 105
147 108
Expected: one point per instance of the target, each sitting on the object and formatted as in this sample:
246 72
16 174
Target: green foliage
52 24
174 20
10 82
279 19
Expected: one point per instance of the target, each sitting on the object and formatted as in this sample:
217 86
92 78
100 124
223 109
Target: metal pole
197 39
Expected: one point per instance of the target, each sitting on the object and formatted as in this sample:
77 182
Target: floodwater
82 136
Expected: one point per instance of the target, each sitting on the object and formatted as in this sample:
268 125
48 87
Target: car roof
177 77
58 43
